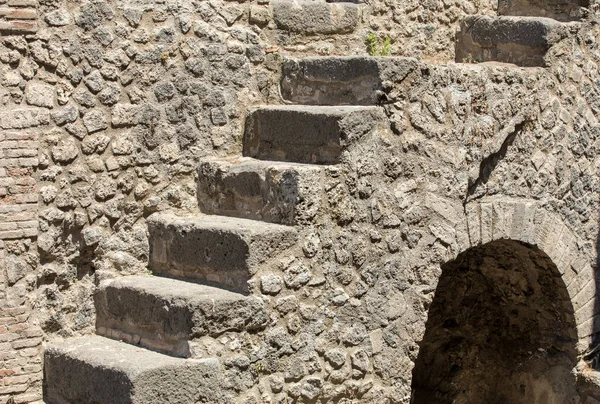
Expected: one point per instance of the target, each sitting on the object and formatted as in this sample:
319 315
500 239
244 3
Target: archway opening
501 329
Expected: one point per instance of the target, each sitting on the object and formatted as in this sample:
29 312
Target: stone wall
20 335
109 106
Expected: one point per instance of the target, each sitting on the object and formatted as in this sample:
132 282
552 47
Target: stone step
562 10
588 384
307 17
165 314
307 134
523 41
276 192
346 80
100 370
218 250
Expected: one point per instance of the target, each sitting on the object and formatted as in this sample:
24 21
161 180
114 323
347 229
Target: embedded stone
311 18
58 18
94 120
39 94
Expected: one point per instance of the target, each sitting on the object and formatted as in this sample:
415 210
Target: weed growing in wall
375 46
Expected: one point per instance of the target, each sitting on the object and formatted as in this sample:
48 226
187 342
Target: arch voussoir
524 220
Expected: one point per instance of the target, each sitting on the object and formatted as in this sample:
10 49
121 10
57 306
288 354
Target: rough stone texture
165 314
264 190
312 17
307 134
562 10
476 153
523 41
112 372
343 81
18 17
217 249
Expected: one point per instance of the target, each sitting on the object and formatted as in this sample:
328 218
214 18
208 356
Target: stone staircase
203 263
522 34
251 207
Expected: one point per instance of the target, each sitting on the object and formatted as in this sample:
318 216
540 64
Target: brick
17 26
474 223
580 281
22 3
28 198
8 226
16 380
18 13
486 223
16 153
18 208
20 136
6 372
14 162
17 388
19 144
585 295
26 343
33 224
29 352
18 216
586 312
6 181
22 118
15 311
8 336
28 162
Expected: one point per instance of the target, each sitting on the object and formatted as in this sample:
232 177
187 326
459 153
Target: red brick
17 26
18 13
6 372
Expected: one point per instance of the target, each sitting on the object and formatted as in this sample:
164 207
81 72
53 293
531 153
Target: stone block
285 193
99 370
23 118
523 41
312 17
354 80
220 250
562 10
307 134
164 314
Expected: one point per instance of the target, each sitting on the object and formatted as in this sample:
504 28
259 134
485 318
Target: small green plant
258 368
376 48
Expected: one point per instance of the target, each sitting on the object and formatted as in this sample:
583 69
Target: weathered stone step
165 314
588 384
562 10
99 370
276 192
347 80
313 18
307 134
219 250
523 41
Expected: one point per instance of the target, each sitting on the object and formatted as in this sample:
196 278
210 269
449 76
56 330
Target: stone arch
501 328
527 221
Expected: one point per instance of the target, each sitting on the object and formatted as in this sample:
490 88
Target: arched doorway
501 329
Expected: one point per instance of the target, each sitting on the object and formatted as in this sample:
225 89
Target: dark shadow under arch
501 329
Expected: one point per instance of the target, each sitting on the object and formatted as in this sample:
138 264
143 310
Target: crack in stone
489 163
